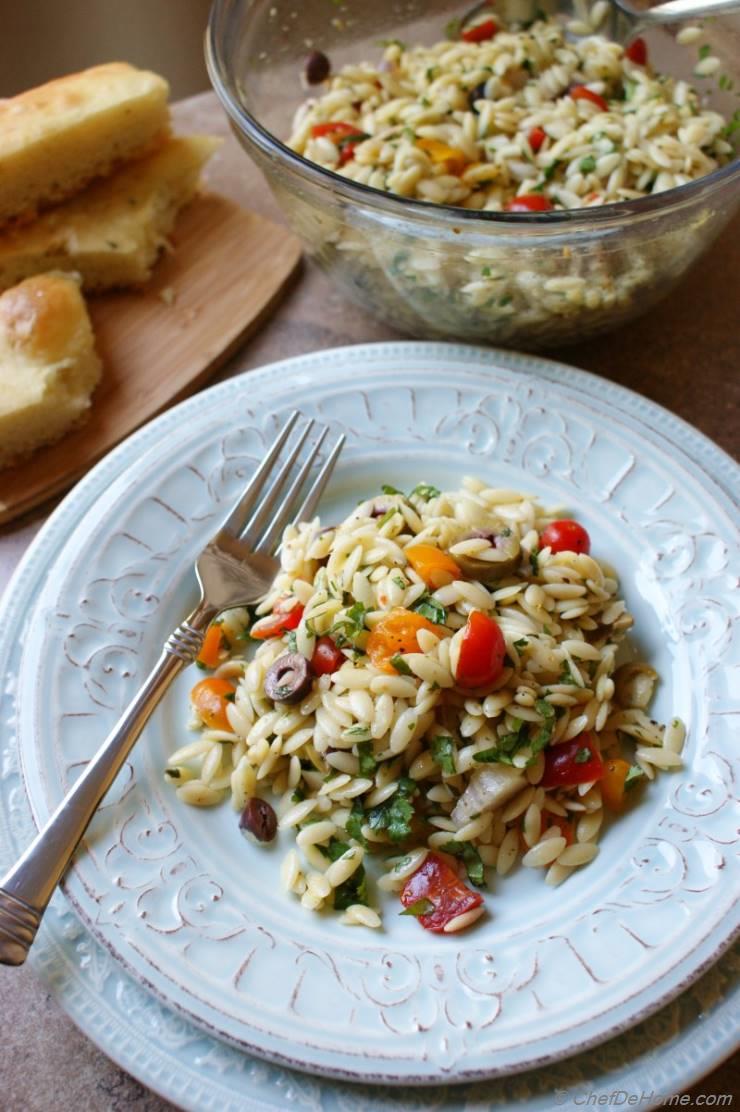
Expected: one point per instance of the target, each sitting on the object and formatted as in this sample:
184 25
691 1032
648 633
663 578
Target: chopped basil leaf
355 822
704 51
400 665
421 907
547 710
549 170
633 776
388 489
534 562
425 491
471 859
298 796
587 165
443 753
366 758
566 675
292 641
400 582
387 516
583 755
429 608
395 814
486 272
521 644
350 626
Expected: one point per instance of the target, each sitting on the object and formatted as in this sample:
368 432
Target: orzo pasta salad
433 685
520 118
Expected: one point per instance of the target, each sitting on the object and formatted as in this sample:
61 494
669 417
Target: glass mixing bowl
427 269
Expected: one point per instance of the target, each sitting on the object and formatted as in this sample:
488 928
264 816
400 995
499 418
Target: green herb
732 126
547 710
471 859
395 814
426 102
504 301
353 890
388 489
387 516
366 758
421 907
400 665
409 133
425 491
566 674
583 755
429 608
443 753
392 42
725 82
587 165
431 73
453 29
201 665
629 88
486 272
350 626
633 776
399 581
521 644
355 823
298 796
549 170
360 731
292 641
533 561
704 51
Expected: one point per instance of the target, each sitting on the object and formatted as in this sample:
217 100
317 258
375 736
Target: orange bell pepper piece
612 783
454 159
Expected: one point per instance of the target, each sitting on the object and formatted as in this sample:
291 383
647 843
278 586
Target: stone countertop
685 354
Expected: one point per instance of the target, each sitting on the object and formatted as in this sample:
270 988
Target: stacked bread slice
91 182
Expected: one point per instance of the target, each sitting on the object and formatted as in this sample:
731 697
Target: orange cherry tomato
396 634
210 699
482 652
213 642
612 783
434 566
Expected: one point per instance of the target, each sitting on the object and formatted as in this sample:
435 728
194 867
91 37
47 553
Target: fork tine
263 513
282 514
311 501
239 515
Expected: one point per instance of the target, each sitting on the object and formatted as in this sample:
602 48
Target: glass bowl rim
424 211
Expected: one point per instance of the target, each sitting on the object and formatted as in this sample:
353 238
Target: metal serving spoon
624 21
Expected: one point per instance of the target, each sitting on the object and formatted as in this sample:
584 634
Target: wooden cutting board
227 271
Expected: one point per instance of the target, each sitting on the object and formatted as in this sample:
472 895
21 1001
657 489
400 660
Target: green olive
504 557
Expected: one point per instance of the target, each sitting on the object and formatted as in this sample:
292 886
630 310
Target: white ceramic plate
175 893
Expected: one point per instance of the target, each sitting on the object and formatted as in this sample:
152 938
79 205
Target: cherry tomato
439 884
347 152
209 697
286 615
482 651
396 634
529 202
572 762
612 783
335 128
481 32
435 567
210 651
326 657
565 536
637 52
536 138
581 92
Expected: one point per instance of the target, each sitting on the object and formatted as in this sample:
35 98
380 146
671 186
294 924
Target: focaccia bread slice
58 137
112 232
48 363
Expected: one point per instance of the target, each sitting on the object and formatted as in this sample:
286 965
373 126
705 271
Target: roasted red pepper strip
580 92
572 762
438 884
529 202
481 32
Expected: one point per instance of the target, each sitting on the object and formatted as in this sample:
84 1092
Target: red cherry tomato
347 152
536 138
481 32
637 52
286 615
572 762
529 202
440 885
482 652
565 536
326 657
580 92
336 128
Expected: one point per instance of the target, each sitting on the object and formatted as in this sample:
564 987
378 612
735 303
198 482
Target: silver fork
234 569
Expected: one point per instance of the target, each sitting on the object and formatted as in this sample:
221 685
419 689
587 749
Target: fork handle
674 10
27 888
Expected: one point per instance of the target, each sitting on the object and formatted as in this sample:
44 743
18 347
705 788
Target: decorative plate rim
638 408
